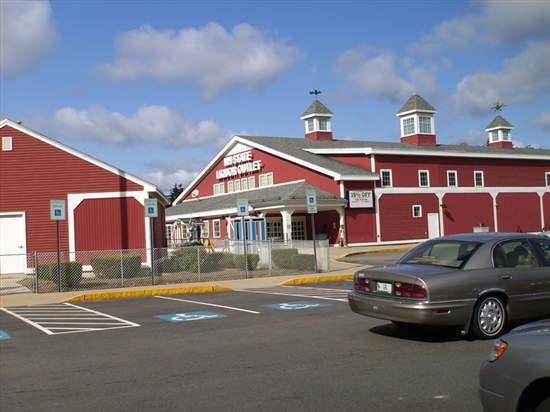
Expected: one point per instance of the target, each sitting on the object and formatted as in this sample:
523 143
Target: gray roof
416 102
298 147
317 108
499 121
284 194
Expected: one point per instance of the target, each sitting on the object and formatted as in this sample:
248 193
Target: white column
287 223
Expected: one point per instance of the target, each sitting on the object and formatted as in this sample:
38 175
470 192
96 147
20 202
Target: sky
158 88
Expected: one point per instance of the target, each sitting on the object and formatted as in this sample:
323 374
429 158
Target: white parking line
339 295
208 304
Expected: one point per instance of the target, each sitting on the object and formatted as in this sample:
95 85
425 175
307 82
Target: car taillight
362 284
408 290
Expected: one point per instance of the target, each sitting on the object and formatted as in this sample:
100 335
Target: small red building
367 192
104 205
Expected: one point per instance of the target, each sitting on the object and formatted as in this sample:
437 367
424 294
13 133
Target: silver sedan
478 281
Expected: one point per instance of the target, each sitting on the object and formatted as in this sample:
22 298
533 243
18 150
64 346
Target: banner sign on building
360 198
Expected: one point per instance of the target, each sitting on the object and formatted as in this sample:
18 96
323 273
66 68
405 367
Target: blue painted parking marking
296 305
4 335
189 316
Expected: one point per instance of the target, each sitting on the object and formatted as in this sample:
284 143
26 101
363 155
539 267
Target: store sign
360 198
238 164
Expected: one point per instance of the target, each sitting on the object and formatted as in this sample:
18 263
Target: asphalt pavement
340 268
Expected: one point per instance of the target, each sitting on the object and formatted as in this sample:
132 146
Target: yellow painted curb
315 279
126 294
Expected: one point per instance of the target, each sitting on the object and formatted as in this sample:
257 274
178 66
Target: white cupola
417 122
500 133
317 121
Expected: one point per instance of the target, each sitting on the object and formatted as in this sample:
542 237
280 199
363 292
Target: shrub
226 260
303 262
114 266
283 257
252 258
71 273
193 258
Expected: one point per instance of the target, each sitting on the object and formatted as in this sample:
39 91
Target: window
206 229
244 184
230 187
478 179
323 123
274 229
216 228
423 178
548 179
505 135
452 180
169 233
298 229
408 126
251 182
425 124
266 180
494 135
7 144
386 178
237 185
218 188
515 253
310 125
417 211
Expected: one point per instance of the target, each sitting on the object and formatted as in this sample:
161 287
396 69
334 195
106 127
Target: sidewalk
339 269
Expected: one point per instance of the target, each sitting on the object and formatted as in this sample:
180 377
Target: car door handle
507 277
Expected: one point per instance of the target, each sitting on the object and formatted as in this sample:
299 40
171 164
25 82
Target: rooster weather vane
497 107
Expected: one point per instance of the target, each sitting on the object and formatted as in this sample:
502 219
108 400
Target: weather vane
315 92
497 107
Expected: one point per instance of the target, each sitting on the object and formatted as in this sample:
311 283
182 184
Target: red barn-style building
368 192
104 205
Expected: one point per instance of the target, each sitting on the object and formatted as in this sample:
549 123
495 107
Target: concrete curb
365 252
145 292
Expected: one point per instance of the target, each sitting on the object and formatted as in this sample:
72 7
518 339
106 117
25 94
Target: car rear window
452 254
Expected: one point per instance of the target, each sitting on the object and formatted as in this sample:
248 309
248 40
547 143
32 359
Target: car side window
543 246
499 259
518 253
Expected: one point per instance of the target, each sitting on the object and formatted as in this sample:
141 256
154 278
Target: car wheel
544 406
490 318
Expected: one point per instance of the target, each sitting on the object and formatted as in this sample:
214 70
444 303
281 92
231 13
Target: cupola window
425 124
408 126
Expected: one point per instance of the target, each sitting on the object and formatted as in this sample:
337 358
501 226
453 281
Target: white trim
7 143
456 178
427 178
482 178
382 180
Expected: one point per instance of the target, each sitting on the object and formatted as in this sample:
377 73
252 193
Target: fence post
269 256
198 262
121 268
36 269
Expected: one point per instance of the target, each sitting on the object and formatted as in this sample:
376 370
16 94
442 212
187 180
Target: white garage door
13 247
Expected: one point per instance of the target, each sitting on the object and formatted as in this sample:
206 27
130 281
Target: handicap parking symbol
296 305
4 335
190 316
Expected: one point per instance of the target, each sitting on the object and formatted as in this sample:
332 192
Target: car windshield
452 254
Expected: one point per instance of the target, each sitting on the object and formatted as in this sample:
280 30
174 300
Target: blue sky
157 88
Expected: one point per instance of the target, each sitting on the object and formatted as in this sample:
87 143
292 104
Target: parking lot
269 349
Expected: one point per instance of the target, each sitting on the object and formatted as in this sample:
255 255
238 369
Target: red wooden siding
518 212
283 171
546 209
396 221
109 224
496 172
361 161
35 172
466 210
361 225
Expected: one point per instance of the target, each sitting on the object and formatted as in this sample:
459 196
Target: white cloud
166 180
211 57
27 36
523 78
543 122
150 124
496 23
372 72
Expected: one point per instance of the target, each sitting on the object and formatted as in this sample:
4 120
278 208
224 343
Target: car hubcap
490 317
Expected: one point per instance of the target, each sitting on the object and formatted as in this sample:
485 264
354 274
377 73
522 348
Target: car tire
544 406
489 317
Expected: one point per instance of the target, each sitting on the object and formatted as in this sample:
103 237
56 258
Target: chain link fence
216 260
